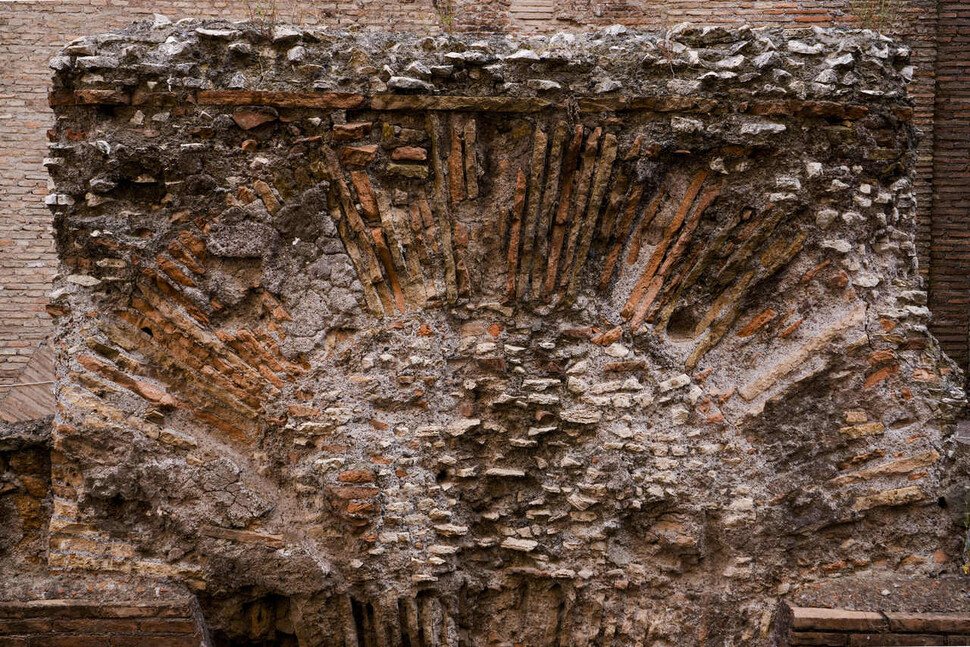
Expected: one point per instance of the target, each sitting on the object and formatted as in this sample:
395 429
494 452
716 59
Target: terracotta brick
173 626
357 476
94 625
250 119
69 641
410 154
948 623
350 132
280 99
355 492
358 155
881 375
156 641
818 619
757 323
11 610
608 337
819 639
894 640
360 507
84 609
25 626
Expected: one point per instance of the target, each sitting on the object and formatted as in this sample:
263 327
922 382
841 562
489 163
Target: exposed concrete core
383 340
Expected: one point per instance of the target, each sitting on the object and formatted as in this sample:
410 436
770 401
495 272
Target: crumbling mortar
486 441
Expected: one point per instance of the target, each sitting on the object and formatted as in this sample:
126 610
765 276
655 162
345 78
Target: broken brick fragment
351 132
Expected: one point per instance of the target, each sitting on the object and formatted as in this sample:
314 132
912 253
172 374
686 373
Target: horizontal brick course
928 622
895 640
155 641
94 625
74 623
85 609
68 641
845 628
836 620
25 626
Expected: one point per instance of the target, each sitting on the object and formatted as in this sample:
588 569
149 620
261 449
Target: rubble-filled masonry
607 339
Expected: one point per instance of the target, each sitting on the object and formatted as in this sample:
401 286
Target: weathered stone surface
515 361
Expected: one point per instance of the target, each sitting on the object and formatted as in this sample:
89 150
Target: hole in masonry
681 325
358 612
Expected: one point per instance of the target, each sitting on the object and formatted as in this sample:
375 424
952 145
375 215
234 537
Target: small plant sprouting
878 15
446 14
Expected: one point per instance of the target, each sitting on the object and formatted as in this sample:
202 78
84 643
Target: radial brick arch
487 347
26 245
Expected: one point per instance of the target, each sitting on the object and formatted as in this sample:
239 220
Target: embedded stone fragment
408 170
461 427
581 416
864 429
898 496
521 545
504 472
451 530
409 83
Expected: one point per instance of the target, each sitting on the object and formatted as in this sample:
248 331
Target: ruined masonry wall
516 340
34 31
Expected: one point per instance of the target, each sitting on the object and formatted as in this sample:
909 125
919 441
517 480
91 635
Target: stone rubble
522 340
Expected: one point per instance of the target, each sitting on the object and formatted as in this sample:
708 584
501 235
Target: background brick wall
32 32
950 217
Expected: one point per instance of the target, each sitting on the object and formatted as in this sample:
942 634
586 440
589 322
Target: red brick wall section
33 31
71 623
844 628
950 262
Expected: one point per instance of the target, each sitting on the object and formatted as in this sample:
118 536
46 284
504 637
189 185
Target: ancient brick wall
76 623
848 628
950 242
34 30
545 341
